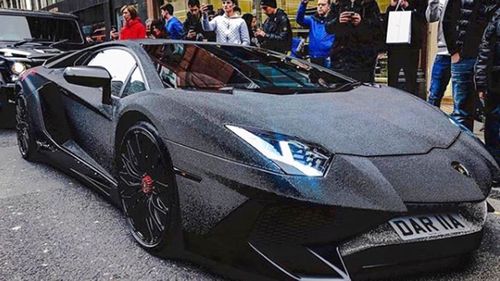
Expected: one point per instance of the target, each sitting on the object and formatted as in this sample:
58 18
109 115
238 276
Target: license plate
424 226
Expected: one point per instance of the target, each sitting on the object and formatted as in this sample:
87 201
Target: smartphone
210 8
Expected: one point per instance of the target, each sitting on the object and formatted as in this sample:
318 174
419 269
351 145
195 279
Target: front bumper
373 254
7 105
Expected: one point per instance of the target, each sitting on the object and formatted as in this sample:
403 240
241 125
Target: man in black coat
358 30
406 56
192 25
463 25
487 78
276 32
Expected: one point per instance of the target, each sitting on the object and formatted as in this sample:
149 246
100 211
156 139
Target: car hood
389 147
28 52
366 121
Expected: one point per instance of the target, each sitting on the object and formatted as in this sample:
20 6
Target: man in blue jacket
173 27
320 42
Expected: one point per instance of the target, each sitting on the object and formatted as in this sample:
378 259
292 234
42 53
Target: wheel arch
127 120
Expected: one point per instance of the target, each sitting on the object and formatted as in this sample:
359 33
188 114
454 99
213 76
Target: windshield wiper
350 85
58 42
307 90
22 42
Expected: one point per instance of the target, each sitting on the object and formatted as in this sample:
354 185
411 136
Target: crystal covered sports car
257 165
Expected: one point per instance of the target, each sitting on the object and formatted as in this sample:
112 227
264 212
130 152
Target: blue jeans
440 77
464 94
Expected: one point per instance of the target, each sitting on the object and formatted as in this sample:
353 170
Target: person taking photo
228 28
320 41
276 32
358 30
133 28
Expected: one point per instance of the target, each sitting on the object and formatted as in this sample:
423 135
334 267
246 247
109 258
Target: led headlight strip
293 156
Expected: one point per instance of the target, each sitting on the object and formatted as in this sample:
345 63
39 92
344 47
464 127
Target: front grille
303 224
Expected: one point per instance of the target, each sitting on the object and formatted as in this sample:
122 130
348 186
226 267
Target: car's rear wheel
147 187
24 130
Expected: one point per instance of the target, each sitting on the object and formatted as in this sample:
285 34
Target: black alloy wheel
147 187
25 137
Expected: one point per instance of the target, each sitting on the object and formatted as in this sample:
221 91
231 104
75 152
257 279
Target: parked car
257 165
27 39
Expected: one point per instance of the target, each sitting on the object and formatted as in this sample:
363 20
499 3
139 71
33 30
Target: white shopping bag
399 27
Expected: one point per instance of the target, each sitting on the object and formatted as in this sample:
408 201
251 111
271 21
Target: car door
93 122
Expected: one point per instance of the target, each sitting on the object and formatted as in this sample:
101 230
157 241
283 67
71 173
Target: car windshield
219 67
39 29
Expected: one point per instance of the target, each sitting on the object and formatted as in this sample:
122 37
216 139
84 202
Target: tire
24 130
147 188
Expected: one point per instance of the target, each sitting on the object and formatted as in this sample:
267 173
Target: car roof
140 42
46 14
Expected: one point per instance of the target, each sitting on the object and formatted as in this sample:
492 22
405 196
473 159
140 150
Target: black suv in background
27 39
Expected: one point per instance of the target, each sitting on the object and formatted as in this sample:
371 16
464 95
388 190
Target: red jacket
133 29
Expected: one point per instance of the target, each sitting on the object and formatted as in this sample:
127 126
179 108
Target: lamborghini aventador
257 165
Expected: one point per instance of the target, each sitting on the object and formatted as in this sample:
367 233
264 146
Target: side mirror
91 76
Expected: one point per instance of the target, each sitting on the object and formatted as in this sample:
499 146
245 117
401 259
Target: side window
135 84
119 64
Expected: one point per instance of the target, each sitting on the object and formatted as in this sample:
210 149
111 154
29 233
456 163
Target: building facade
26 4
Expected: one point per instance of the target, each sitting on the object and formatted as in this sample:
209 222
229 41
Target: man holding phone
276 33
228 28
192 24
320 42
357 39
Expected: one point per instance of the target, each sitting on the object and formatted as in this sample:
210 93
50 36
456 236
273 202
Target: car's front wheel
24 130
147 187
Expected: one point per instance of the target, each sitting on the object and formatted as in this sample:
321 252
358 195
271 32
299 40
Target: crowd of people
348 36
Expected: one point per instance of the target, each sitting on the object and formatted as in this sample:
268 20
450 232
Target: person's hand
204 8
304 2
345 17
455 57
404 4
356 19
482 95
114 34
191 34
394 3
260 33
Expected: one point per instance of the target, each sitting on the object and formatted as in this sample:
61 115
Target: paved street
54 228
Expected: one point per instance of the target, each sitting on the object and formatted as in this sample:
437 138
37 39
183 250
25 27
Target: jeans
464 94
492 124
440 77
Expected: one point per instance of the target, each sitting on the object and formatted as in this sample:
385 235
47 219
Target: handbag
399 26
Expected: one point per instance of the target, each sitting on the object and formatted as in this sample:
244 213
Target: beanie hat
269 3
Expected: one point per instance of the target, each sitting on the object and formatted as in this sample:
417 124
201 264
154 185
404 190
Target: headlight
293 156
18 68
